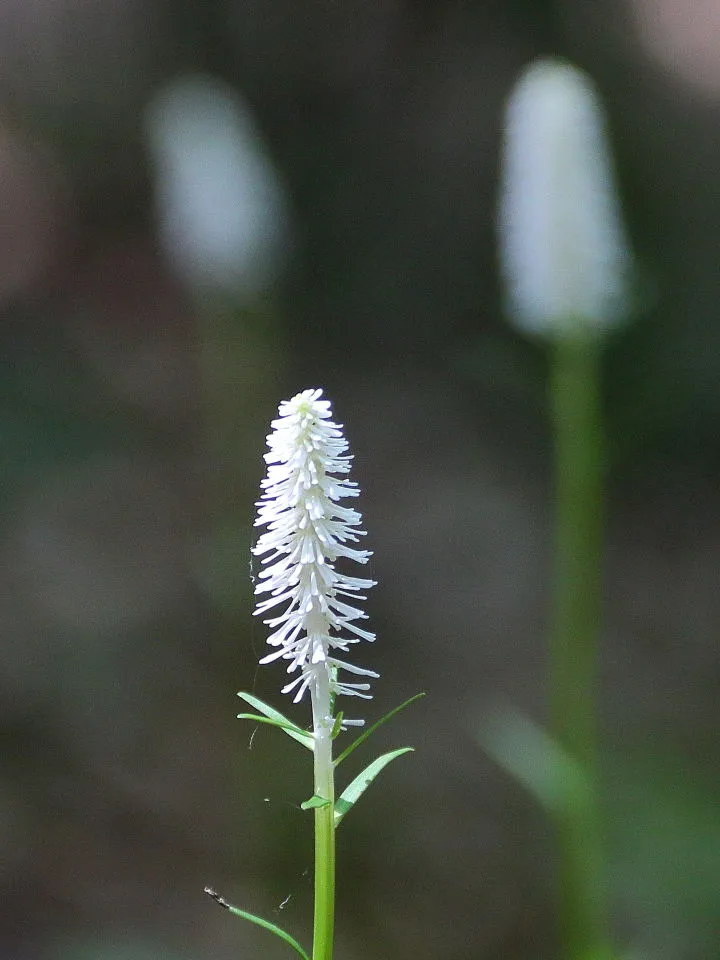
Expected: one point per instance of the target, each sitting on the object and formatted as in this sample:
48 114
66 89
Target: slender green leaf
366 733
273 723
265 924
276 719
337 726
537 761
352 793
314 802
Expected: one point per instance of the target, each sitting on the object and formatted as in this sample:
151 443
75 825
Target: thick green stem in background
324 919
579 459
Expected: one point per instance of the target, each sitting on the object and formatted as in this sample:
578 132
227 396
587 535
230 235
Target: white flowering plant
311 607
567 266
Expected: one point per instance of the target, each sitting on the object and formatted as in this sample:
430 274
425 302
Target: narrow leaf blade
537 761
337 726
366 733
265 924
314 803
292 731
352 793
277 719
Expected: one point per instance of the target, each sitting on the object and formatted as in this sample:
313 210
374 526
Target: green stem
324 920
579 457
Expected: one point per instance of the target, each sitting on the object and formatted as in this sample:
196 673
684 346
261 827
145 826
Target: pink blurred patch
683 35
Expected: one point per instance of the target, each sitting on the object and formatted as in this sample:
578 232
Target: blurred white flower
563 249
307 532
221 207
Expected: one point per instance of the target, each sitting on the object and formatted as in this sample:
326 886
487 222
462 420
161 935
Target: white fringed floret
307 531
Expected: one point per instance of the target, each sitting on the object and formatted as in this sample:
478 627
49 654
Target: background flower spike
563 249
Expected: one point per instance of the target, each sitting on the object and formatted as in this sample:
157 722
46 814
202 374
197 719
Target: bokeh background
147 333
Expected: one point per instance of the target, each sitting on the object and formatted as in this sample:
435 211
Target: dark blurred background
141 364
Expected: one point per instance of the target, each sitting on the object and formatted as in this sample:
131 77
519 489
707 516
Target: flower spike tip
563 249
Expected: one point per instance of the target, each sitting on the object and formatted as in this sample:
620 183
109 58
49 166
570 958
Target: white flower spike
563 248
307 531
